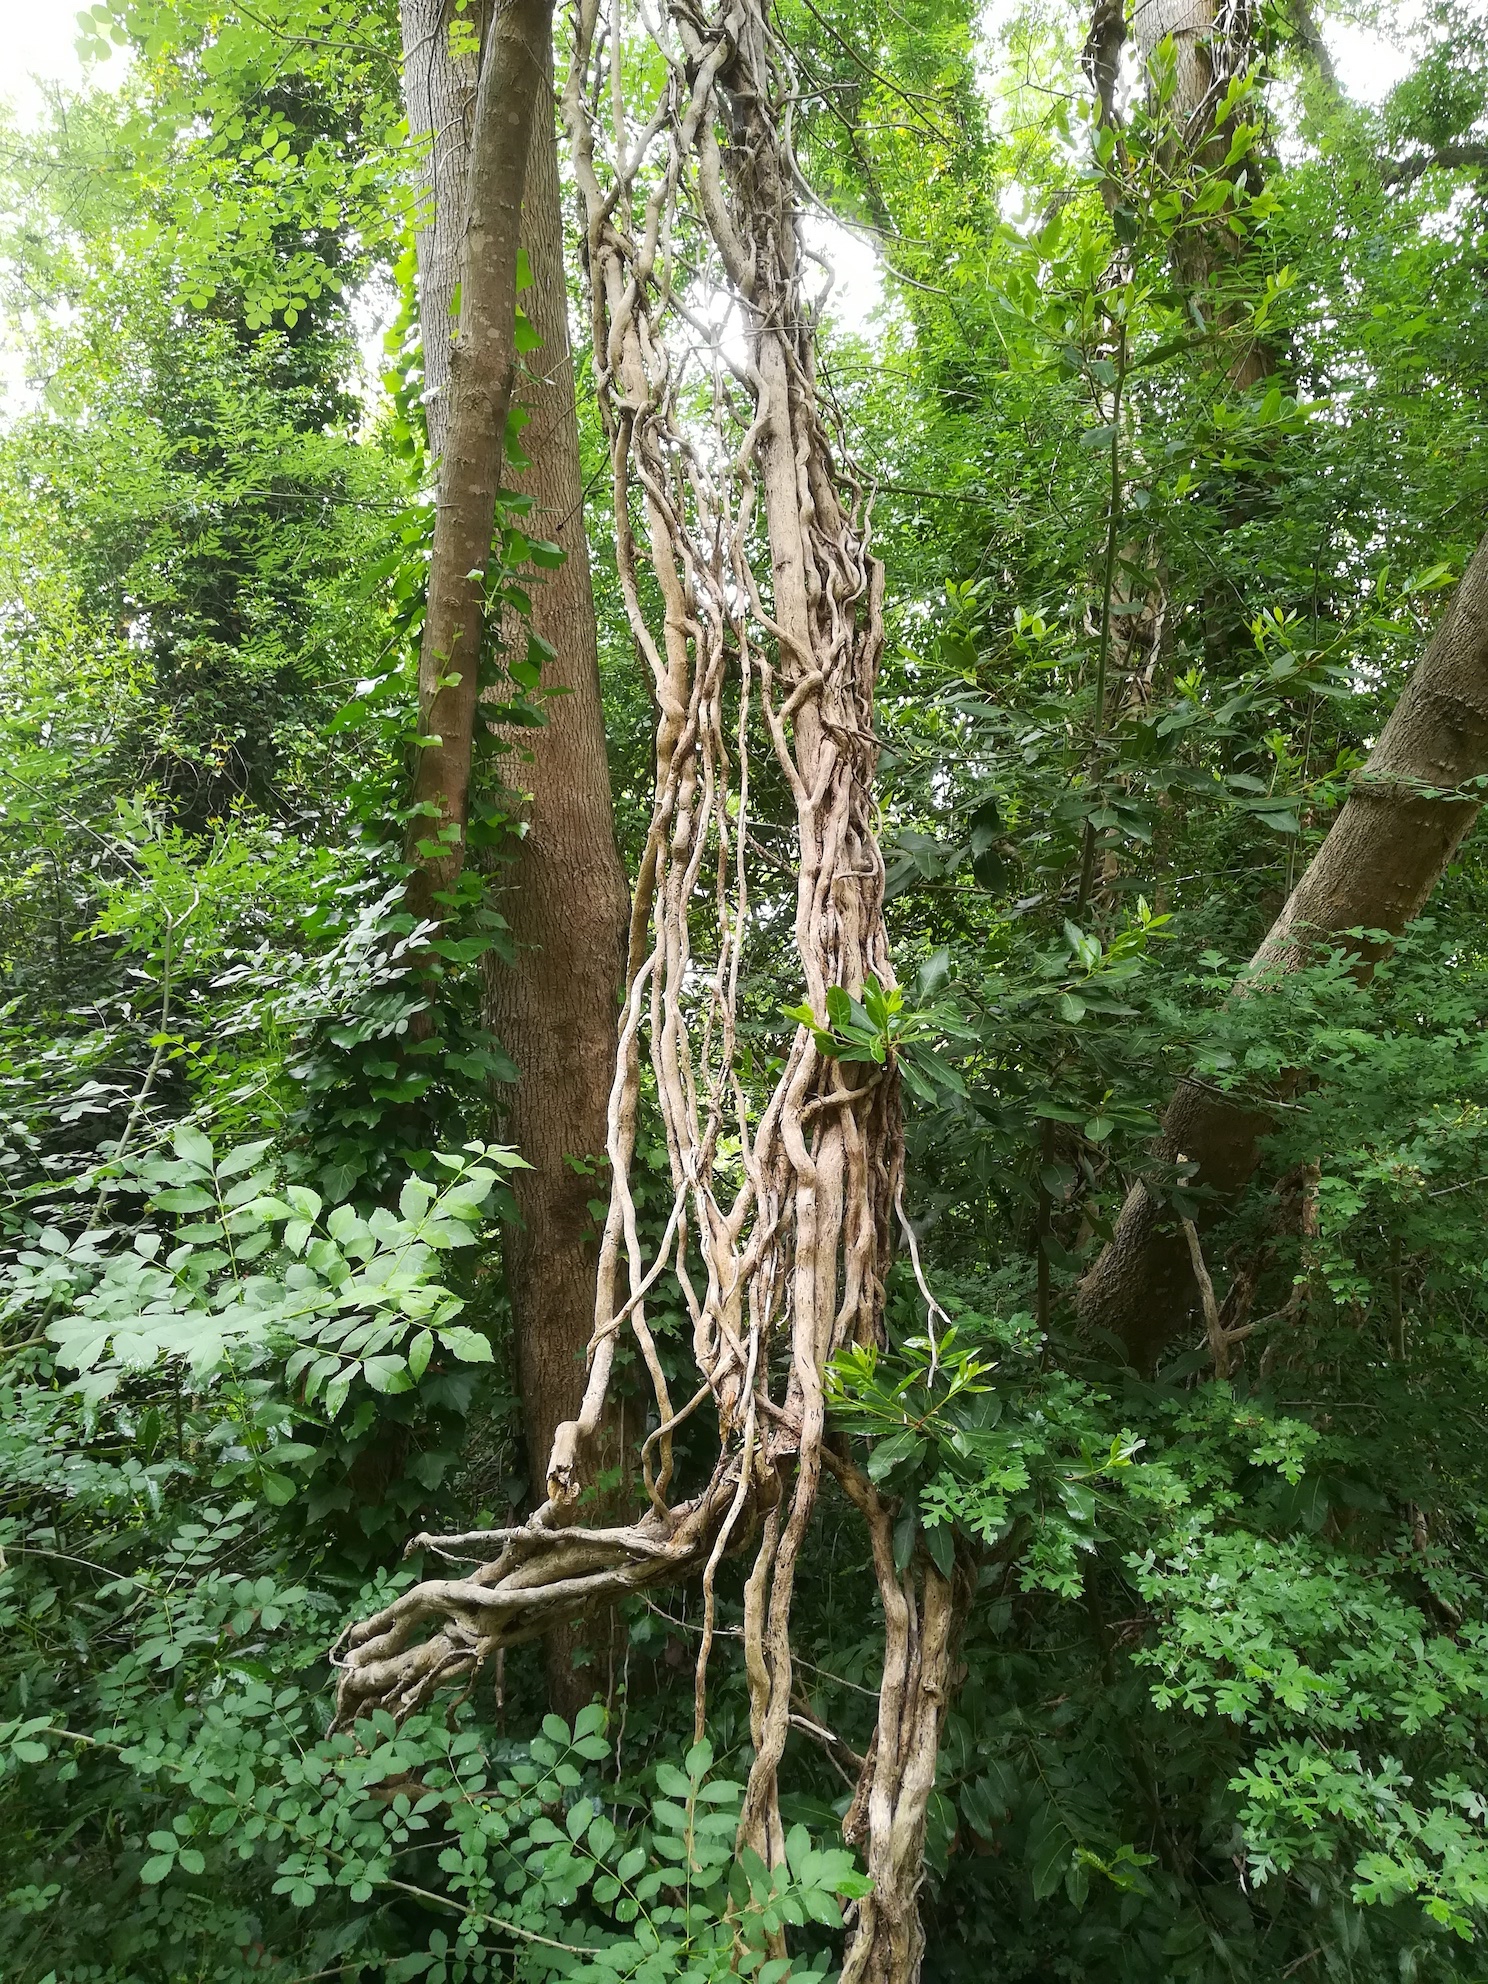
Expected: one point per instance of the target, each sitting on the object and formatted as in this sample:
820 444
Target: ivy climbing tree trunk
564 895
1212 44
561 886
1405 818
1190 54
481 376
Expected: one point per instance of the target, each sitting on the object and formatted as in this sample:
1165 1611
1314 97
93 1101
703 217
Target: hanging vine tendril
730 494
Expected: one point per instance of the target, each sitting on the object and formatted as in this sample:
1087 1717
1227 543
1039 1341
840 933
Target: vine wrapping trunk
695 266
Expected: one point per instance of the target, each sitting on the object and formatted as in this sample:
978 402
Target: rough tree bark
562 888
482 372
1405 818
565 898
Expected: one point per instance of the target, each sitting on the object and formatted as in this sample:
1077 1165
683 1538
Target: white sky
38 40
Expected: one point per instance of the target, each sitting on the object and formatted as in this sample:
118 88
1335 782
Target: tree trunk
1210 45
439 92
923 1615
1384 854
567 905
564 892
783 1204
1190 23
482 369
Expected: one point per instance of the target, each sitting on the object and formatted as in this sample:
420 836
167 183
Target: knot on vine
565 1480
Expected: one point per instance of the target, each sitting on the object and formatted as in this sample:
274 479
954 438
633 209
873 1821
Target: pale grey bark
439 95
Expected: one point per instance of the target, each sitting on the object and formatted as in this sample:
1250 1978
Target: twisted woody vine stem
729 492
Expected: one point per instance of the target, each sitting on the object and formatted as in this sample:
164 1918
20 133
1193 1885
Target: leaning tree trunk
783 1197
481 376
1407 814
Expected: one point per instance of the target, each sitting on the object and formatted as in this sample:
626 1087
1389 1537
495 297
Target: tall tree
563 892
562 887
794 1236
441 72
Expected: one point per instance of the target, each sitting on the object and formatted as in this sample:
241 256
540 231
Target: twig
1220 1339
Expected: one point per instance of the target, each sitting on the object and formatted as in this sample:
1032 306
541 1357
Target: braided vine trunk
735 510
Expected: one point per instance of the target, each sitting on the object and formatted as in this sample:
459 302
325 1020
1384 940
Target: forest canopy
744 1031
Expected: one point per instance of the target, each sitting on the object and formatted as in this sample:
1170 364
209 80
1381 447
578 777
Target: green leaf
941 1546
989 870
191 1145
468 1345
415 1200
699 1760
1079 1499
892 1452
1049 1863
185 1198
243 1158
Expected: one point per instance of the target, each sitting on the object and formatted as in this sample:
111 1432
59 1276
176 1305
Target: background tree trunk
1210 45
565 898
1383 856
